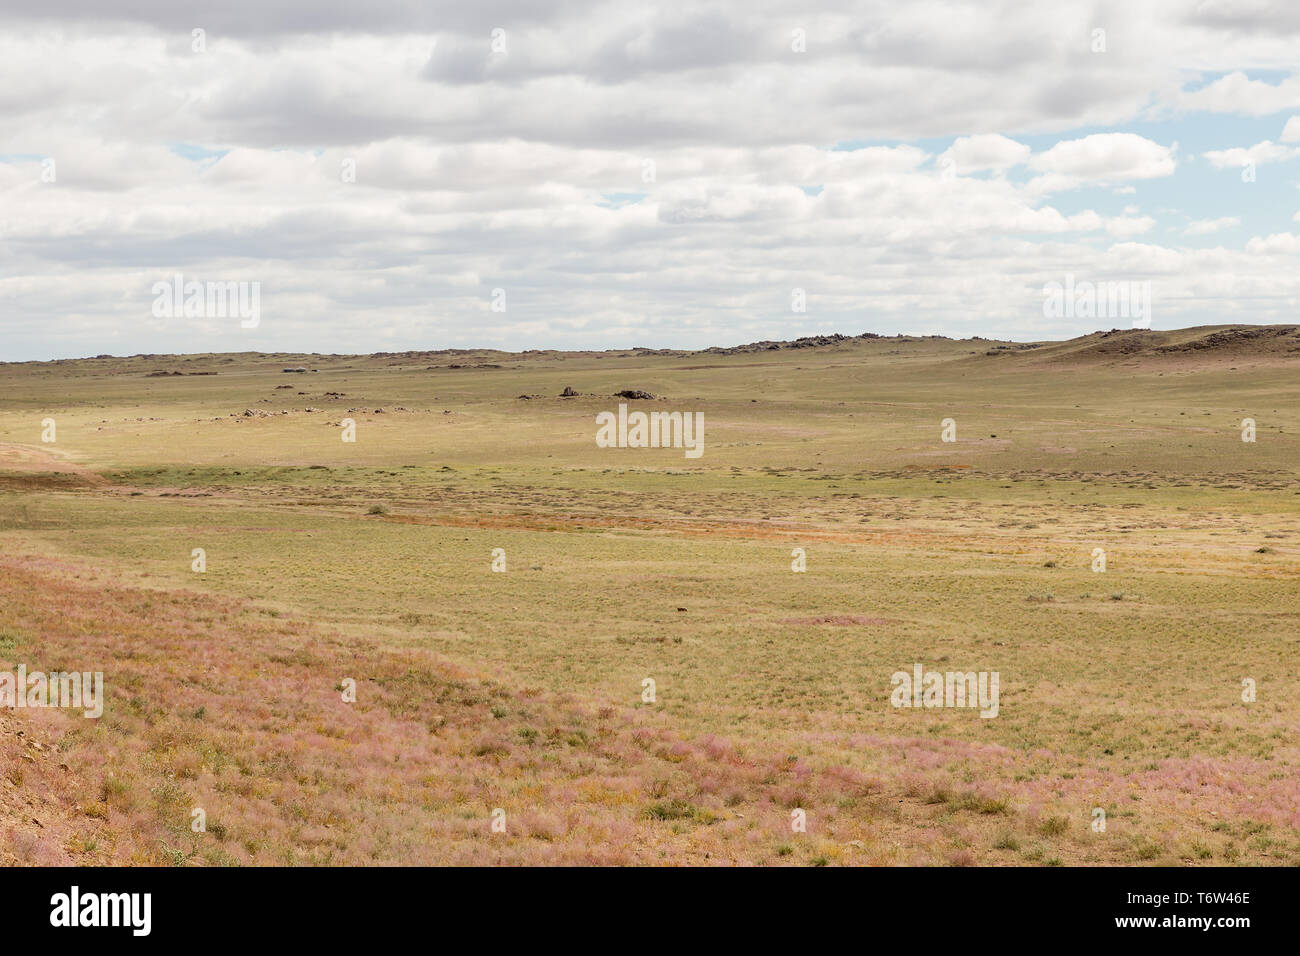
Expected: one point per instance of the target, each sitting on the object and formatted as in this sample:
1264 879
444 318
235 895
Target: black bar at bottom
946 906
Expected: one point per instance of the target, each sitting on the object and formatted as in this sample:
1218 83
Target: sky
405 174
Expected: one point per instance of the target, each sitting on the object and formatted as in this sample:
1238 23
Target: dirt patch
55 481
34 469
839 620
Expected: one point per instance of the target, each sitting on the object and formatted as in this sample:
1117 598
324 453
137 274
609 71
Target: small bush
670 810
1054 826
677 810
1145 848
981 804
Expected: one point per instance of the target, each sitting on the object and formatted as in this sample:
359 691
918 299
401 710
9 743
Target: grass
524 690
9 641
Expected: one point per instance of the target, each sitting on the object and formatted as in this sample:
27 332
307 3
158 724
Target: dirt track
37 468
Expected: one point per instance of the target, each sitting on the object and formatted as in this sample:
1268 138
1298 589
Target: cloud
1101 159
985 151
1106 157
1237 93
1282 243
625 171
1204 227
1125 227
1258 155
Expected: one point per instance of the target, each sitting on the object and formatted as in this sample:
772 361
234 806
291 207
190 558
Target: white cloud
986 151
1098 160
1203 227
1107 157
528 171
1125 227
1282 243
1237 93
1259 154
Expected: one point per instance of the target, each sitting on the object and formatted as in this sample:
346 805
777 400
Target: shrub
1054 826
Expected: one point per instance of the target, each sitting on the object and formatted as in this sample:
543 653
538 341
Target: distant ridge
1206 341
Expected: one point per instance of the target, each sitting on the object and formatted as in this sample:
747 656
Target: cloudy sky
398 174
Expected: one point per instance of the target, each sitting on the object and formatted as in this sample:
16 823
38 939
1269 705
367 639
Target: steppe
328 564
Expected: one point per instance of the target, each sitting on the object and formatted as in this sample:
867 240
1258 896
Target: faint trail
34 461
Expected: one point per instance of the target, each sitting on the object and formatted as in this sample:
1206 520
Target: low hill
1206 342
